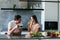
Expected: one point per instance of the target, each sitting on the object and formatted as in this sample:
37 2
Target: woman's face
32 19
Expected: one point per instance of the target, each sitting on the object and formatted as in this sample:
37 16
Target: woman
33 26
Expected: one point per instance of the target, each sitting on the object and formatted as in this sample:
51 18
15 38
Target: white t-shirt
12 24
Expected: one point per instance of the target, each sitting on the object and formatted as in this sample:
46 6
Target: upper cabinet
51 11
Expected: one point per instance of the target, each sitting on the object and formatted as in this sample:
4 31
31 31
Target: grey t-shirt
12 24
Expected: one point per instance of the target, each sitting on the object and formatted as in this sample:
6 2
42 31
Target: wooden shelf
18 9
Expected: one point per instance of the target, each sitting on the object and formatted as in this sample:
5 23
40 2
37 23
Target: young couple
15 26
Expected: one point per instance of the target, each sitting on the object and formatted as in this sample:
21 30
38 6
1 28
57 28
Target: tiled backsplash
6 16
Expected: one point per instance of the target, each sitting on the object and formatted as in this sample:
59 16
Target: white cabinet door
59 17
51 11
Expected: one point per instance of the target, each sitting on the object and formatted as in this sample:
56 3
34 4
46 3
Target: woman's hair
35 18
17 17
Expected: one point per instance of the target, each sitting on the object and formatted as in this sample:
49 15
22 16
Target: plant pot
23 4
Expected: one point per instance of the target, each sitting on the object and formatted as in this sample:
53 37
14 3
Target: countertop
5 36
23 36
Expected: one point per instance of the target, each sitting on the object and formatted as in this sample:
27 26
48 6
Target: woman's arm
30 25
29 29
36 30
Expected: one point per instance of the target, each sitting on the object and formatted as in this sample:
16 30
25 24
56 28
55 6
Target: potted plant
14 5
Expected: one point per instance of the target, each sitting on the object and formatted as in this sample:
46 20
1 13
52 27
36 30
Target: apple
58 34
52 35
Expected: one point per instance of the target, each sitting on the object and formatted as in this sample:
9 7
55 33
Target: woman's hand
31 24
28 35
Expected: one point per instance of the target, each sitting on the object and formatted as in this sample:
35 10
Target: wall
51 11
6 16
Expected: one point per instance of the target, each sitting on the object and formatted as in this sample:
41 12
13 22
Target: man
15 26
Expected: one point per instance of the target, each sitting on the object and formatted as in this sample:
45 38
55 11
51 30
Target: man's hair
17 17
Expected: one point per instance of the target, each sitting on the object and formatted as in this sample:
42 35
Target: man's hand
16 27
19 31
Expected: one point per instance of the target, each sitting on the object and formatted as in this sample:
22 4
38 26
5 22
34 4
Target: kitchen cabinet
51 11
59 16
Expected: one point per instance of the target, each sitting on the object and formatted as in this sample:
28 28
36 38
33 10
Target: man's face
18 21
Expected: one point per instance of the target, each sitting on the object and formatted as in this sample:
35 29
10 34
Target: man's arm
11 30
19 31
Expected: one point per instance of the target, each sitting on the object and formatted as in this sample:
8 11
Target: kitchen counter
4 36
